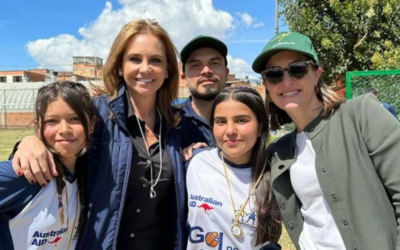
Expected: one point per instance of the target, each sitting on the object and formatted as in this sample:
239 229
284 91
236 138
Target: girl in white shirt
230 201
51 217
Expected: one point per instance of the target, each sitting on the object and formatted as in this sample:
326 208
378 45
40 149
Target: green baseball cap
285 41
202 41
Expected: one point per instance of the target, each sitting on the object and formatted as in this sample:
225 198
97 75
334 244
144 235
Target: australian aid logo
51 237
205 203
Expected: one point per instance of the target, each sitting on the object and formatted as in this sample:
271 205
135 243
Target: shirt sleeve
382 136
196 152
391 109
15 192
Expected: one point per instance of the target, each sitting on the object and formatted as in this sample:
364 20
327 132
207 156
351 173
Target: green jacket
358 167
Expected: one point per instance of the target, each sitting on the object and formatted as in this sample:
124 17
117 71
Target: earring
120 73
166 75
316 89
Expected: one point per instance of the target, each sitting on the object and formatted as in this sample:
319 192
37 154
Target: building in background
88 67
83 68
339 88
17 97
30 75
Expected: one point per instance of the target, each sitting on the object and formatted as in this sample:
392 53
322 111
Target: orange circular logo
212 239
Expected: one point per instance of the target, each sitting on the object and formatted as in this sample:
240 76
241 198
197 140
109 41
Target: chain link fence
17 107
386 83
17 104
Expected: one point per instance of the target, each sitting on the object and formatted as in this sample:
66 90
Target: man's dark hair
372 91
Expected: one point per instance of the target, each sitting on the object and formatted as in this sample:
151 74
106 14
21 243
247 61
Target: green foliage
348 34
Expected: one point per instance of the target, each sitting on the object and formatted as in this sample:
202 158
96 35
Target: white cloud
258 25
246 19
249 21
190 18
240 68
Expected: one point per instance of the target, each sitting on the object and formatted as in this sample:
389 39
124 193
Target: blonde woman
136 189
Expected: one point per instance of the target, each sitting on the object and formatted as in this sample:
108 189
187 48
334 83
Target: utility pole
276 17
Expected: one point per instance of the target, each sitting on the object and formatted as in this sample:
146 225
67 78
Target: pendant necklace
236 229
153 193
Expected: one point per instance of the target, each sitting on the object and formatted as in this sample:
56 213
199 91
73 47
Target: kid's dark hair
269 226
78 98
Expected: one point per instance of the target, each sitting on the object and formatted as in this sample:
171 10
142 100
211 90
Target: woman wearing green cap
336 177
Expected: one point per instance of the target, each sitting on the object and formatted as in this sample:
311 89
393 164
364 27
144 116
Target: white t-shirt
210 211
319 228
38 225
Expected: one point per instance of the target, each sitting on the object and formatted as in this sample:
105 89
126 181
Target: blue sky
46 34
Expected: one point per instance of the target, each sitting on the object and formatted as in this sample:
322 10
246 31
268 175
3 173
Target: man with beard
204 67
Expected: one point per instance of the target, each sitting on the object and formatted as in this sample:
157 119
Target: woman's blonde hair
110 72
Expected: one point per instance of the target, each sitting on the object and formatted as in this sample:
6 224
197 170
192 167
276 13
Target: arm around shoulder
15 191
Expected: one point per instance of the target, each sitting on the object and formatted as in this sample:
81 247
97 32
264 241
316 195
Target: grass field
10 136
285 241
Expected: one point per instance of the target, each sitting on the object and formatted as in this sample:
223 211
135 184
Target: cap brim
203 42
262 59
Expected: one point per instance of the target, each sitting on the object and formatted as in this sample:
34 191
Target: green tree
348 34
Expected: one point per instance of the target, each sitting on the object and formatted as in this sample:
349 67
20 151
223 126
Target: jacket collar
283 159
120 107
190 113
119 104
315 126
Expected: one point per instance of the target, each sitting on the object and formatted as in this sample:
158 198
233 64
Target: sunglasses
296 70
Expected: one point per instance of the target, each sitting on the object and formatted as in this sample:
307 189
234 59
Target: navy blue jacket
109 162
196 126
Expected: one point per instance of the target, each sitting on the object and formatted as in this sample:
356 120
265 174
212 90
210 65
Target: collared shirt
197 127
146 223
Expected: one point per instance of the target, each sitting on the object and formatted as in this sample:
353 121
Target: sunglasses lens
298 70
274 76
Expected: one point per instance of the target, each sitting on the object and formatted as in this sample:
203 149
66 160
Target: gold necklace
236 229
76 214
